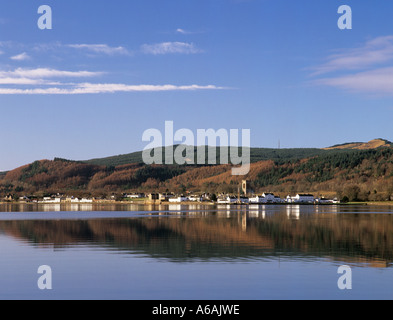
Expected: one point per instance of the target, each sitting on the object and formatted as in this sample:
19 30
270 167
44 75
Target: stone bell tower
245 184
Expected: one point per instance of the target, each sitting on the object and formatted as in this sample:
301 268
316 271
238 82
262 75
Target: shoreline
209 203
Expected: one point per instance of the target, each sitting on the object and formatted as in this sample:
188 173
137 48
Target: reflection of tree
347 237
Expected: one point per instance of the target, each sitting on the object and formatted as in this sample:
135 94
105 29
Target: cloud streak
170 48
379 81
101 49
40 82
376 51
39 73
98 88
21 57
366 69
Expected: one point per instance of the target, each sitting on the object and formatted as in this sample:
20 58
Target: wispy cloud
26 81
47 73
21 57
96 88
41 82
94 50
379 81
101 49
40 76
187 32
182 31
375 51
112 88
366 69
170 48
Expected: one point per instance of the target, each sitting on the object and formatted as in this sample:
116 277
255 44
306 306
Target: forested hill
256 154
359 174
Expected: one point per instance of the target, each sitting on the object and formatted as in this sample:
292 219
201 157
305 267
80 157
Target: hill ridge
372 144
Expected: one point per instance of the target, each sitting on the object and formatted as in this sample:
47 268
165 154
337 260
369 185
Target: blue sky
109 70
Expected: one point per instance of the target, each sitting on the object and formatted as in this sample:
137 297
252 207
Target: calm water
196 252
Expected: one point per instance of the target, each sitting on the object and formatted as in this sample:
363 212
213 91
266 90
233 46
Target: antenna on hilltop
279 144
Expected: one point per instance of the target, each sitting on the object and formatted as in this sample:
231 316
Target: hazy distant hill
357 171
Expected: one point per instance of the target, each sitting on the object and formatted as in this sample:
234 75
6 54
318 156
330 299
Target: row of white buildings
265 198
50 200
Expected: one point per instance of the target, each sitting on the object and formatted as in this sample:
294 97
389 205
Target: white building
178 199
323 201
134 195
269 197
195 198
84 200
50 200
227 200
301 198
277 199
258 199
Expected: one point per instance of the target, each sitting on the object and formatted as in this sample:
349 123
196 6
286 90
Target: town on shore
265 198
246 196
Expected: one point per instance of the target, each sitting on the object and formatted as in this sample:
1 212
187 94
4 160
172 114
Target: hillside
373 144
256 154
356 173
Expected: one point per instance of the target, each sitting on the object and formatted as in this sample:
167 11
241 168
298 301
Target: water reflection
185 233
293 211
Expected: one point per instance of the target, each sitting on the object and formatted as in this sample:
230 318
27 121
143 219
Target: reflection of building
55 207
244 222
293 212
257 210
83 200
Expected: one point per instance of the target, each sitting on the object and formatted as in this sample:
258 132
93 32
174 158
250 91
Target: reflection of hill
367 237
166 236
350 238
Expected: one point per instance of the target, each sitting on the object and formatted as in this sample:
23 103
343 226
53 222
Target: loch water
196 252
